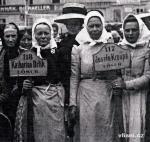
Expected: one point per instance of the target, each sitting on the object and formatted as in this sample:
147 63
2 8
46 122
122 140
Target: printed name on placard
111 57
28 64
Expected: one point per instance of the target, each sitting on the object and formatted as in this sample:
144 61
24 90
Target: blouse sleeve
143 81
75 74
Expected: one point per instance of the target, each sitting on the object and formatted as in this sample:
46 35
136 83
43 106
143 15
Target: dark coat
11 86
65 49
53 74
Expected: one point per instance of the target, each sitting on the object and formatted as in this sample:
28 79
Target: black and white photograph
74 70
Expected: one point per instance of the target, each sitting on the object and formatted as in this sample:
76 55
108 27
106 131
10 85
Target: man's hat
72 11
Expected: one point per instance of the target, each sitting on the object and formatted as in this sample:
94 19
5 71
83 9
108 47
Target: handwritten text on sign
111 57
28 64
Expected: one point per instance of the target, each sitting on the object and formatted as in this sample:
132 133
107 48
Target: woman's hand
27 84
72 113
119 83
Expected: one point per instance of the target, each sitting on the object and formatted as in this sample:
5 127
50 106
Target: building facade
24 12
123 7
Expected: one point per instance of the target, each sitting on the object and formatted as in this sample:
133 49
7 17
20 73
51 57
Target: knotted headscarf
144 33
10 27
84 37
35 44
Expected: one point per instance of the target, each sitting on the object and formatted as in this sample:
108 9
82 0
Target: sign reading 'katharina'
111 57
28 64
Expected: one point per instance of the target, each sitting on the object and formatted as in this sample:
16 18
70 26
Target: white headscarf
52 44
83 36
144 33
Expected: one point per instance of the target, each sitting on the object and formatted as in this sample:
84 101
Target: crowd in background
72 102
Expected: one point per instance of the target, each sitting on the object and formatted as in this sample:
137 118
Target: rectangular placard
111 57
28 64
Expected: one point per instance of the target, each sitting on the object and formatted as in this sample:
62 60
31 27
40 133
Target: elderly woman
9 51
93 95
47 92
135 78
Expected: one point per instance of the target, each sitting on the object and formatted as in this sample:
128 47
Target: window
142 10
139 10
55 1
2 2
2 21
31 2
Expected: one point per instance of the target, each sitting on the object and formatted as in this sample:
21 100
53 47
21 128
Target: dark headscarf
18 39
11 52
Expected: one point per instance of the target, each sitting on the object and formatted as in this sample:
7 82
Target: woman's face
73 26
95 27
26 41
43 34
10 36
131 31
55 30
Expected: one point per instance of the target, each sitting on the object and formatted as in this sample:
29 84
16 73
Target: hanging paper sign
111 57
28 64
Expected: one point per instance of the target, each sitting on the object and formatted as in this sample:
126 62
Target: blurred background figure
116 36
26 38
56 32
108 29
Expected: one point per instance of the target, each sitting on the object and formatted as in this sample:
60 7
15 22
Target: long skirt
100 112
134 112
48 115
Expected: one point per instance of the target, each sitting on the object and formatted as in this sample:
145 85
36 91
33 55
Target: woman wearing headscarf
10 40
93 94
135 78
22 128
47 92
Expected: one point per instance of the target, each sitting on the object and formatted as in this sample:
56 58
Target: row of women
108 107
